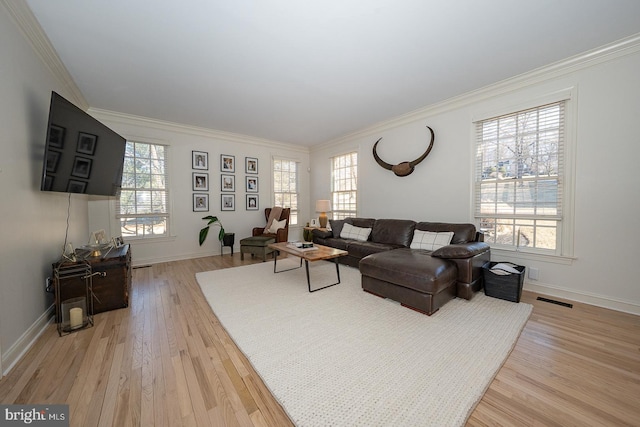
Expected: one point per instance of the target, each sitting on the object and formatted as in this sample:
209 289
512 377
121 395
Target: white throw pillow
357 233
430 240
277 225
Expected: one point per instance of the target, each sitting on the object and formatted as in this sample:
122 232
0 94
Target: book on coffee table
301 247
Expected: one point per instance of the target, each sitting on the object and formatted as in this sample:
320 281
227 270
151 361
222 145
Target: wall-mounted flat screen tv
81 154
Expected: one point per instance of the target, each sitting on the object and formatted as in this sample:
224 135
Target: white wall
32 223
606 102
186 224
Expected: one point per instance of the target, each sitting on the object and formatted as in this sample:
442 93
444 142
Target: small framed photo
81 167
227 182
200 202
228 202
118 242
87 143
75 186
56 136
250 165
252 184
53 157
314 222
252 202
200 160
227 163
200 181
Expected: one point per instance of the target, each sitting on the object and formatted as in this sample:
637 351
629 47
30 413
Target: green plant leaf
203 234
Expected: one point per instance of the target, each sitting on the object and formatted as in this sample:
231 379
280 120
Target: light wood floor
166 361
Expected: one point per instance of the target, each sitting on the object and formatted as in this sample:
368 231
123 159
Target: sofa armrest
257 231
323 234
461 250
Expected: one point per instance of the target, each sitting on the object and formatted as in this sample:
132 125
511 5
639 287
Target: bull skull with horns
404 168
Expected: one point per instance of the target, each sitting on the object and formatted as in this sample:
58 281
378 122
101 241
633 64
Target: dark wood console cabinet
110 291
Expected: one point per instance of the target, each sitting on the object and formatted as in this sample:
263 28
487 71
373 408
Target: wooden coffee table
321 253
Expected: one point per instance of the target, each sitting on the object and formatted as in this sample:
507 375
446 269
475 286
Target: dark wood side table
111 290
229 239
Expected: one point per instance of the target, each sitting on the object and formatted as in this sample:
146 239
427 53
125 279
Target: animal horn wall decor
404 168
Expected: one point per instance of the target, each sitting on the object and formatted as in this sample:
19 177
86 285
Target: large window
143 205
285 186
520 177
344 191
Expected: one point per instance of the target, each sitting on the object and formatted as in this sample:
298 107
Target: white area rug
343 357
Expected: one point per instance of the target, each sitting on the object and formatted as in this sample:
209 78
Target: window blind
144 198
519 165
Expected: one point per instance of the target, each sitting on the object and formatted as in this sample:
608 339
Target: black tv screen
81 155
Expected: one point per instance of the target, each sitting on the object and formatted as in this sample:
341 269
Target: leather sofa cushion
336 226
462 233
361 222
461 250
360 249
336 242
411 268
393 231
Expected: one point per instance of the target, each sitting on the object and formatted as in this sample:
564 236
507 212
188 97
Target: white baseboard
583 297
24 343
139 262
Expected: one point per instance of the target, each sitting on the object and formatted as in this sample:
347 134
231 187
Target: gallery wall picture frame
199 160
200 181
56 136
227 182
81 167
87 143
227 163
228 202
251 165
200 202
53 157
251 184
252 202
76 186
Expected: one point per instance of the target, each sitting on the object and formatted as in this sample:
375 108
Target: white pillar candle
75 318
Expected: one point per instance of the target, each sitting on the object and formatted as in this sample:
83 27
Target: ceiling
306 72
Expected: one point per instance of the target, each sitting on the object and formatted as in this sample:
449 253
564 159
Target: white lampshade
323 205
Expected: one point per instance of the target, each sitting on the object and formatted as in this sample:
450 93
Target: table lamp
323 206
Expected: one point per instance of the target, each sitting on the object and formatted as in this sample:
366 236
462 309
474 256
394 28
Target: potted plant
212 220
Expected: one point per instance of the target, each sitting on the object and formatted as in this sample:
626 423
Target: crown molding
133 120
618 49
32 31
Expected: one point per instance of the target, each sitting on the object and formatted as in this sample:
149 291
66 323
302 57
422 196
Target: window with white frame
344 185
519 178
142 208
285 186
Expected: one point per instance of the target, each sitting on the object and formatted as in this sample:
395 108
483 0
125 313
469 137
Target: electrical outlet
533 273
47 284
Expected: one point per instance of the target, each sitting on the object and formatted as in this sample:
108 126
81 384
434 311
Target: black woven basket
507 287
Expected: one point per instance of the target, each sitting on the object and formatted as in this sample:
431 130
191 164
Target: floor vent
552 301
142 266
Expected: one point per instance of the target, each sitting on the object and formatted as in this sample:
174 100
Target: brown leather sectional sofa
420 279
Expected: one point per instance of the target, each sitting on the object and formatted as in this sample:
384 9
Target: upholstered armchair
272 228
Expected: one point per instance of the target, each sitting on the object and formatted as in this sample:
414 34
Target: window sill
512 253
147 240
